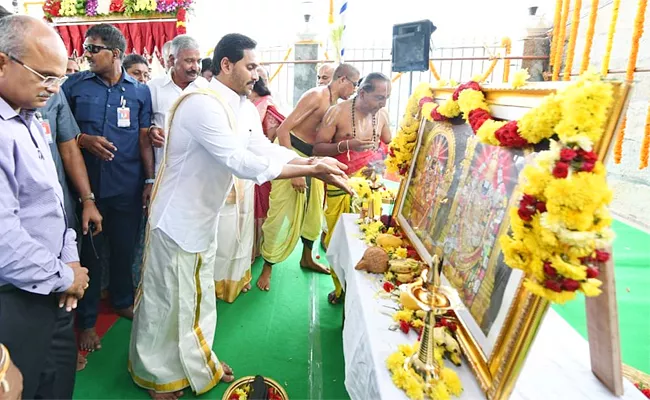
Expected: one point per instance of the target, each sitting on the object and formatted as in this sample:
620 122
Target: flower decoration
412 383
560 227
91 8
520 78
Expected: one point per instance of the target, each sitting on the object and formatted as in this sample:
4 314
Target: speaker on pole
411 46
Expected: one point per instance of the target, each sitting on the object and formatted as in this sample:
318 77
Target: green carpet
632 260
261 333
269 333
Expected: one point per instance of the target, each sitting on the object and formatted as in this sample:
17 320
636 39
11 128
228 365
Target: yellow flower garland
413 384
557 245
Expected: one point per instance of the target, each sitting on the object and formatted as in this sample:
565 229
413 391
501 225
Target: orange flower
556 28
645 147
631 66
610 38
572 40
590 36
557 64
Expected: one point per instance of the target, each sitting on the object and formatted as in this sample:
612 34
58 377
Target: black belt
298 144
7 288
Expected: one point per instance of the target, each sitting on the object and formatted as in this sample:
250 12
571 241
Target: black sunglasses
95 48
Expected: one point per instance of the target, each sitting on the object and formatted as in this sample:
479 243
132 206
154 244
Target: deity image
470 238
433 173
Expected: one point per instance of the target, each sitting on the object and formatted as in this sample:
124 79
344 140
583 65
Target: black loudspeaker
411 46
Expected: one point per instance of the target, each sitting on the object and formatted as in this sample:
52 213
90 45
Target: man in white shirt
213 135
183 75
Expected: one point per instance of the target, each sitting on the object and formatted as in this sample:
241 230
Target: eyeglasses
95 48
48 81
354 83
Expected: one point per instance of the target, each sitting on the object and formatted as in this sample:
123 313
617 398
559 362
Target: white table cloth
557 366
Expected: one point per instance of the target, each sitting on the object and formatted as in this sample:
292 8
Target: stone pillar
304 75
536 43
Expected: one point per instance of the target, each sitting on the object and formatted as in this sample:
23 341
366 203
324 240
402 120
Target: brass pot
248 380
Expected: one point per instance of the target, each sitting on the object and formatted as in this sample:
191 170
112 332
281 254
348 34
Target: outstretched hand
331 171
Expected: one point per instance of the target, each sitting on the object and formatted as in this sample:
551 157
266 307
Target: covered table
557 366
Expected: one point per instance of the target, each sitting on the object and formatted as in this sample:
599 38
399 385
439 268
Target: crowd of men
88 159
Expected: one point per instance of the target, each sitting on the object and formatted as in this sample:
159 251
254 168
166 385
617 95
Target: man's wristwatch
149 181
87 197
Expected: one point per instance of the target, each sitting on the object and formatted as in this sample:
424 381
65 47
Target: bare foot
246 288
228 375
81 362
89 341
125 312
307 262
264 281
165 396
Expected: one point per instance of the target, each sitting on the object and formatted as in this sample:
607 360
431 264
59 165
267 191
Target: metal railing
459 63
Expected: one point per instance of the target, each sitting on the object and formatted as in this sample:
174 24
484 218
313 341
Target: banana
407 277
404 265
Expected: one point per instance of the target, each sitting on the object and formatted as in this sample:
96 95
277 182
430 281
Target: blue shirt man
113 112
95 106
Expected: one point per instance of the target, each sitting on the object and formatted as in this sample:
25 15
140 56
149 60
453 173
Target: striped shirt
35 242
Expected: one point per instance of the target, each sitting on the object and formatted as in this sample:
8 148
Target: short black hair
110 35
261 89
4 12
206 65
368 83
133 59
232 47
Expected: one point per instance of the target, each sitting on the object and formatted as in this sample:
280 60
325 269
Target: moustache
45 95
191 72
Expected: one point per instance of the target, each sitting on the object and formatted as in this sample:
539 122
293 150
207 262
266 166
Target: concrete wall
631 185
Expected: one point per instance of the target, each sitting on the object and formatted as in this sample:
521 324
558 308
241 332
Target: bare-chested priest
355 132
296 206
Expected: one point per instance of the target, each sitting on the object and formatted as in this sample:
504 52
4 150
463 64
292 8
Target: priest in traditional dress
212 136
356 132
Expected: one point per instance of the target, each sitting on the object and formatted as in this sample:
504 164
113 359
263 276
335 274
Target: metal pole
410 83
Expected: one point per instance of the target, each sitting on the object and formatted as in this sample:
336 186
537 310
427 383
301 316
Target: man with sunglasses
39 263
113 111
296 210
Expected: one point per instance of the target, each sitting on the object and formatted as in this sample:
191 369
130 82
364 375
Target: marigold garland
412 383
559 50
507 44
561 223
604 68
591 29
645 147
629 75
572 40
556 31
631 66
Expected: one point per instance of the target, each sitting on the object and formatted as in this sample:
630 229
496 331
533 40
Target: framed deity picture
454 203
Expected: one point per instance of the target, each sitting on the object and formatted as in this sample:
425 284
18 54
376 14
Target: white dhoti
175 319
235 236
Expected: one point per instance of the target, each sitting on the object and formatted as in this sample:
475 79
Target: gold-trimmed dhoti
175 319
292 215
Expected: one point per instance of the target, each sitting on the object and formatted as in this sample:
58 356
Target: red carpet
105 320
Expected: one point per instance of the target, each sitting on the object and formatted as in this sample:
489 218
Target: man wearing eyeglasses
113 111
39 263
296 210
356 133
